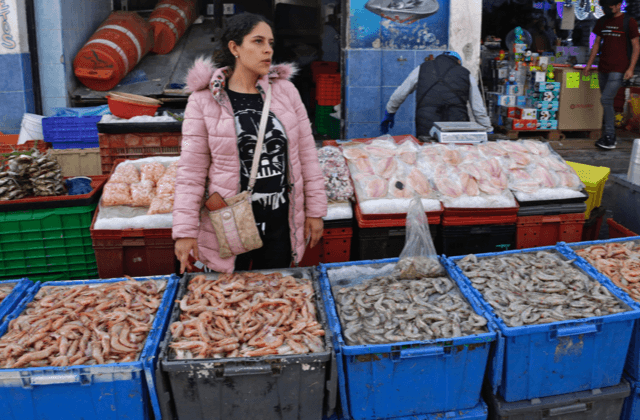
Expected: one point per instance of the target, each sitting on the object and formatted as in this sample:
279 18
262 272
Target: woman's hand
313 228
183 247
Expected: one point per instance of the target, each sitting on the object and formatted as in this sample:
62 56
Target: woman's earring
235 56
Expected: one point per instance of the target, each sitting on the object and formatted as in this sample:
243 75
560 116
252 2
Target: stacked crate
327 95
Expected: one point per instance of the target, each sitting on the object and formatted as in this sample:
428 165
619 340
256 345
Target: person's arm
635 44
477 105
405 89
593 55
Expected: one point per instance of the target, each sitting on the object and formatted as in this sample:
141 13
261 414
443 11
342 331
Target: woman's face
256 50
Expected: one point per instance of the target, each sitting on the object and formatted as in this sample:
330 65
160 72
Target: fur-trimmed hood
206 74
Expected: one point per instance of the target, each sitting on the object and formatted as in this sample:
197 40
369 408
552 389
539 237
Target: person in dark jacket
443 88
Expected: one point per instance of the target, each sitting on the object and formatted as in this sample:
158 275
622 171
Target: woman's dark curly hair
237 27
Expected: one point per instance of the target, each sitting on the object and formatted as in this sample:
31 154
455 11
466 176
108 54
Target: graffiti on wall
399 24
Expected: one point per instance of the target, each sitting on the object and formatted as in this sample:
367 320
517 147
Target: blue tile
29 102
364 30
360 130
407 111
48 15
26 71
12 80
364 67
52 80
11 110
49 46
363 105
396 66
49 103
422 54
403 128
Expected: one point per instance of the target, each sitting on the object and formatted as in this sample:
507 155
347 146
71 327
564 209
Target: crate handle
250 370
579 330
422 352
573 408
551 219
64 378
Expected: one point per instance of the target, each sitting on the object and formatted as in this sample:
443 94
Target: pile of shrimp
5 290
82 325
620 261
246 315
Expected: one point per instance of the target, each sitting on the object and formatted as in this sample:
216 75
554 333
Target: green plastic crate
325 123
46 241
78 274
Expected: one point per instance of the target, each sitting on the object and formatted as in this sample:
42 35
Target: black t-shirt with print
270 198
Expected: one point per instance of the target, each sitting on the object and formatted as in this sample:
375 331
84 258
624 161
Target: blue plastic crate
111 391
560 357
21 288
631 406
407 379
632 363
71 132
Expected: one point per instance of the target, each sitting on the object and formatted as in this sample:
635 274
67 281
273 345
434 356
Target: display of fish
246 314
82 325
537 288
5 290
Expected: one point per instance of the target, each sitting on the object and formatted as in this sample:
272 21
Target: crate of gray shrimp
615 262
409 340
11 293
564 330
84 349
247 345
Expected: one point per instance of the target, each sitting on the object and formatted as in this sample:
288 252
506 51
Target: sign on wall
9 29
399 24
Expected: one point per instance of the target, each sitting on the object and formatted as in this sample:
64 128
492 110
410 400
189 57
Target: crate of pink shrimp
131 229
247 345
565 330
11 293
616 262
85 349
409 340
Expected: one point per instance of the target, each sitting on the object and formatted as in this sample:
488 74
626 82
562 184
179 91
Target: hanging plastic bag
418 258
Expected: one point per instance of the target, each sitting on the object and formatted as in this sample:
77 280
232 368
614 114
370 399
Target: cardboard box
526 113
508 111
538 77
548 125
507 100
521 101
546 96
580 107
546 115
519 124
546 86
546 105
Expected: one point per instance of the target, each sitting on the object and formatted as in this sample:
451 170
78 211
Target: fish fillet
419 182
448 187
385 167
469 185
400 189
374 187
353 153
364 165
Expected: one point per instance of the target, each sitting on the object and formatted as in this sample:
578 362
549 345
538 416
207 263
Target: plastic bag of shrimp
418 258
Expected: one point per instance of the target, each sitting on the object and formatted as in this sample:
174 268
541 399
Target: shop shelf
110 391
406 379
592 226
453 216
534 231
594 178
559 357
78 162
476 239
20 289
60 201
135 252
616 230
278 387
596 404
136 146
71 132
334 246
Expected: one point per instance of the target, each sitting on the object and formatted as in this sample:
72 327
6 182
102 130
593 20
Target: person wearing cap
617 61
443 88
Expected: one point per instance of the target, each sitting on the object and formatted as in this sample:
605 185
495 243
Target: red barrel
170 20
113 51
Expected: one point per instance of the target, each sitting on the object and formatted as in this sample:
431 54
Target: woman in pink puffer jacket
214 135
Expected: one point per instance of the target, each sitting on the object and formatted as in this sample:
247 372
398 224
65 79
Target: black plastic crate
552 209
572 200
594 404
287 387
387 242
477 239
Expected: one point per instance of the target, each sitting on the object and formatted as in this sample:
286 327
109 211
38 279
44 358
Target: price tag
573 80
586 78
595 83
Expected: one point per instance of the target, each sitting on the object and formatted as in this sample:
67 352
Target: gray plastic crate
624 200
287 387
594 404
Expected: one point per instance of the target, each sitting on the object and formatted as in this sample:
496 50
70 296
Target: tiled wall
372 75
63 26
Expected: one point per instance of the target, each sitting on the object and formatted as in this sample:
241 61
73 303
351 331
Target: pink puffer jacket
210 150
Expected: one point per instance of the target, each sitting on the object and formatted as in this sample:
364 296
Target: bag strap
258 150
